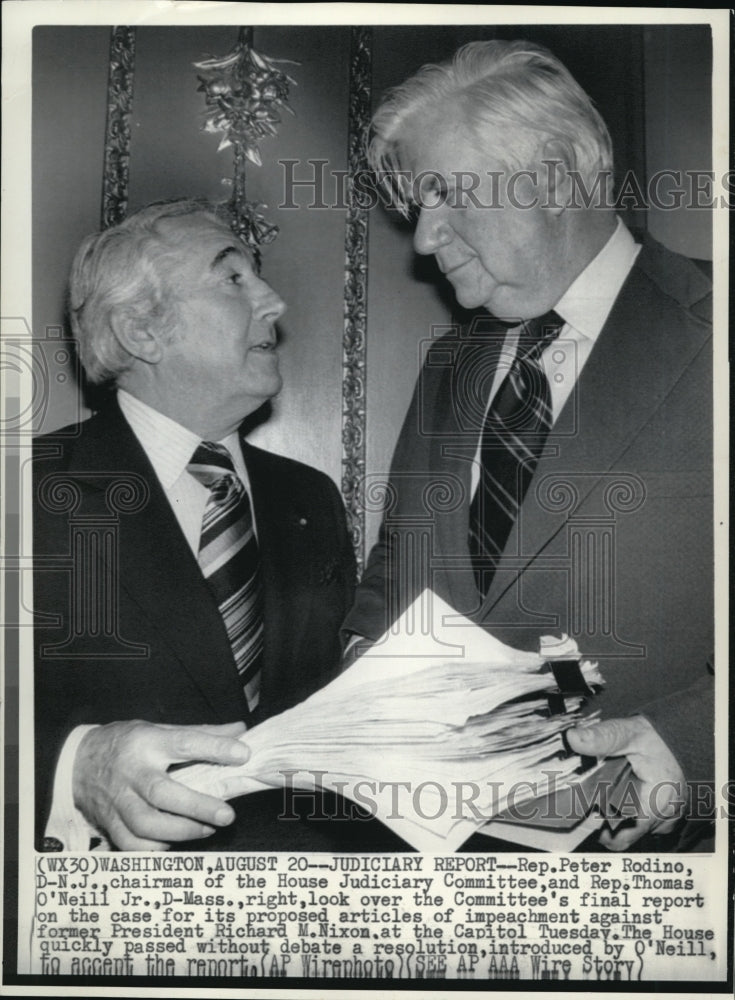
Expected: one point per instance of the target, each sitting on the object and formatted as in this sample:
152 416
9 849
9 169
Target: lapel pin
328 572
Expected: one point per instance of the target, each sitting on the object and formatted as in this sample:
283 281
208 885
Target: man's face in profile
489 234
222 343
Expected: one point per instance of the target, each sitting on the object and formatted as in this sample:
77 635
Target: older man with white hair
187 583
570 423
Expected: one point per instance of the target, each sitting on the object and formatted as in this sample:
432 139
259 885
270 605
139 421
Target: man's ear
557 159
138 338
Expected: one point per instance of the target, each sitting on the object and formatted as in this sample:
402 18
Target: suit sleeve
388 585
685 722
368 617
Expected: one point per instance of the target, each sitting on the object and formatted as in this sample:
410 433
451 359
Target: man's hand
662 784
121 785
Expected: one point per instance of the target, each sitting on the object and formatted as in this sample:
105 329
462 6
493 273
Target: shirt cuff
66 823
355 646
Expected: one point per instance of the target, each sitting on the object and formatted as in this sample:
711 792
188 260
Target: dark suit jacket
126 626
613 543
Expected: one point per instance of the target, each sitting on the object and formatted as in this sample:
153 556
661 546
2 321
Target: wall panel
170 157
69 103
306 261
679 128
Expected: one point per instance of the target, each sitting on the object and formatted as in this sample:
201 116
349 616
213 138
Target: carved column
115 175
355 292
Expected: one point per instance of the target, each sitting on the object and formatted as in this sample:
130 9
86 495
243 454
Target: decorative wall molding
355 292
115 175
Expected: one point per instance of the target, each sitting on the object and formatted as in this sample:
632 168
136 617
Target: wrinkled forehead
200 238
439 137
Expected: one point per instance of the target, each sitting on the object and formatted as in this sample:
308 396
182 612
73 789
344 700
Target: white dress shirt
584 307
169 448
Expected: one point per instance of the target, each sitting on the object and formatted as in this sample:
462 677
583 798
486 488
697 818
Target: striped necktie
513 436
229 559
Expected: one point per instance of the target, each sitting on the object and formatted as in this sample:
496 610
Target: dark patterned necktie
513 436
229 559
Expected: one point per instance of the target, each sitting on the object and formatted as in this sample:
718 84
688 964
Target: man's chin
475 298
468 299
262 395
270 392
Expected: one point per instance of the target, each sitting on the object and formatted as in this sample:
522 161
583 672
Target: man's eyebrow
227 252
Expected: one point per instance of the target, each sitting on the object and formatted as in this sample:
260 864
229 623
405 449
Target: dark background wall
652 86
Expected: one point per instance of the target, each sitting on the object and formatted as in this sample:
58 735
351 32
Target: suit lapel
455 448
159 571
641 353
280 522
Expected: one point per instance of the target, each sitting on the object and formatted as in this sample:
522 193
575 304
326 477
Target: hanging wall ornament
245 93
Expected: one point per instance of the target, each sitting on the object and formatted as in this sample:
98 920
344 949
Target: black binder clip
569 681
569 677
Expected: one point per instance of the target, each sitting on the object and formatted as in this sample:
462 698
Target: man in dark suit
144 657
554 476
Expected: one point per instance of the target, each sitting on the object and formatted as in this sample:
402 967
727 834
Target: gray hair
514 96
124 268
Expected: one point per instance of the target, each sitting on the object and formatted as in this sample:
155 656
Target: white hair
514 98
124 268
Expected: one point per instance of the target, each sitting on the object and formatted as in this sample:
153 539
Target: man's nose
270 304
432 231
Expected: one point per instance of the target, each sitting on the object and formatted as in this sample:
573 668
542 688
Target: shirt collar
587 302
168 445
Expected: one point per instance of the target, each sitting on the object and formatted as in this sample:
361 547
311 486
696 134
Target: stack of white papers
435 730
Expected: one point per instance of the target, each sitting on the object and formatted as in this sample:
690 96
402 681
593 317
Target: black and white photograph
365 496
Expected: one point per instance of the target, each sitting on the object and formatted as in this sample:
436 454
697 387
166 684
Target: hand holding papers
436 729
